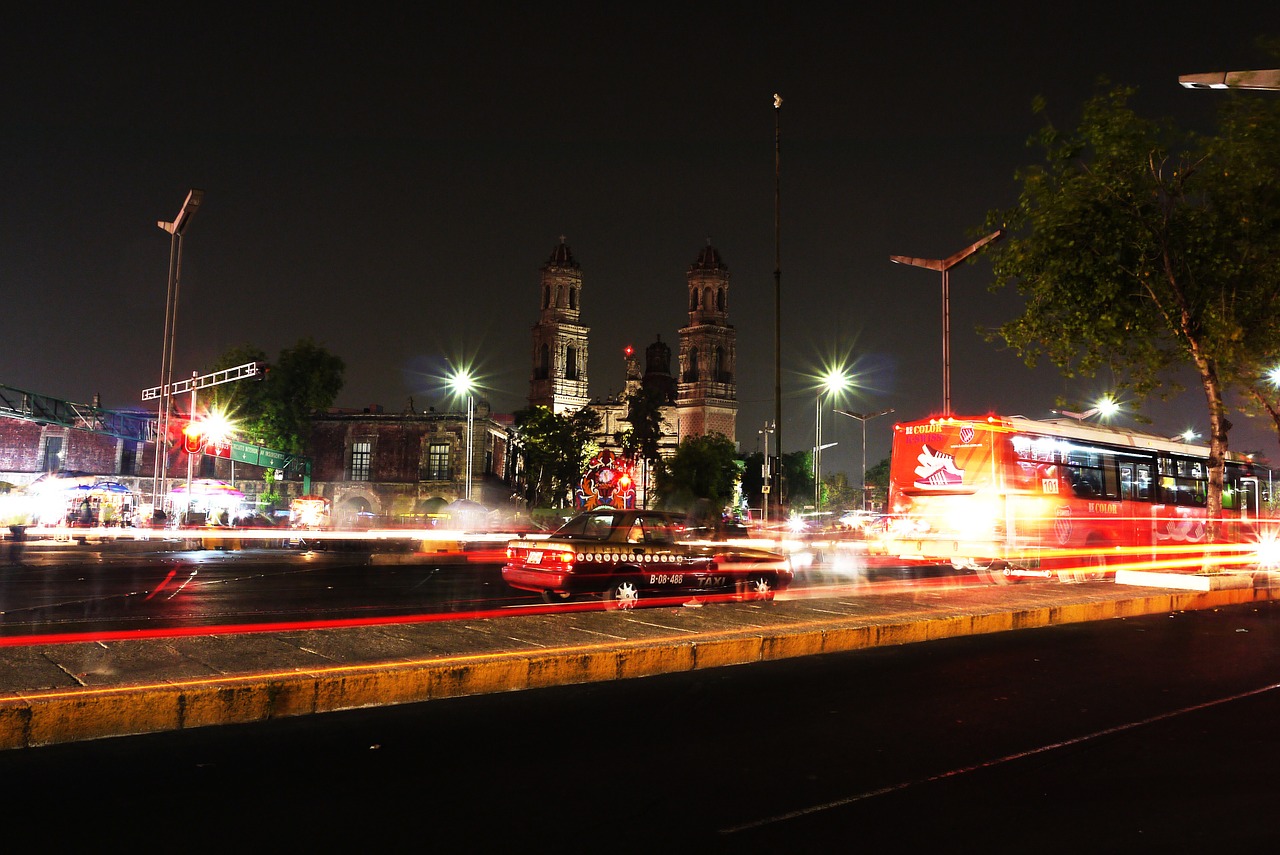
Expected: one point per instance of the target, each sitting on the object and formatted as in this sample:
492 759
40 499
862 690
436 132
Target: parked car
625 555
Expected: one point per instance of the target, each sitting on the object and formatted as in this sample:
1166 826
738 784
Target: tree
797 473
1145 249
702 468
642 440
838 493
554 449
275 411
877 484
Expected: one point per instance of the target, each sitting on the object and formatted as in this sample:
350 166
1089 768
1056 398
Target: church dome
561 256
708 259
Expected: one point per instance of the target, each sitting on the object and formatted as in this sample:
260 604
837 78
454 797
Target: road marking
987 764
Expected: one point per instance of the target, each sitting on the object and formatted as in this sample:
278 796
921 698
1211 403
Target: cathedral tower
707 390
559 379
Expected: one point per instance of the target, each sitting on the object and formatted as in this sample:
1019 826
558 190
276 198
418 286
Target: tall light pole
165 409
864 418
945 265
835 381
777 287
463 385
191 457
764 470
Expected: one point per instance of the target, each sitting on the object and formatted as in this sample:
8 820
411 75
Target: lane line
987 764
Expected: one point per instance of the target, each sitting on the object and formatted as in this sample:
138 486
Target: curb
31 719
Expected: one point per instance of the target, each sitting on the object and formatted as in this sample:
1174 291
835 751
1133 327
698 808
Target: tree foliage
838 493
1143 249
275 410
797 472
877 491
702 468
644 415
554 449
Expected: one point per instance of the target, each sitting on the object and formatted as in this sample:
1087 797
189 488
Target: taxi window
588 527
657 530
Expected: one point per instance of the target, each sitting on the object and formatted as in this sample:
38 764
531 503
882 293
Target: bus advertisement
1010 497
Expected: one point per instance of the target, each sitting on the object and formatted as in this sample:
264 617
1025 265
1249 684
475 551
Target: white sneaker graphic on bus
937 469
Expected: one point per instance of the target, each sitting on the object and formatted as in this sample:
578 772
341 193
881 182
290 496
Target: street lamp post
191 457
463 384
945 265
764 471
864 418
835 381
165 409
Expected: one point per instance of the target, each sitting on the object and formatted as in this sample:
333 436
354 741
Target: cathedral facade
701 395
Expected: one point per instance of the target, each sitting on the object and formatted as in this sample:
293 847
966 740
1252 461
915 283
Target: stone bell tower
707 389
559 379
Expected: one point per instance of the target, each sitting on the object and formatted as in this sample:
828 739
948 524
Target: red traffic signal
193 438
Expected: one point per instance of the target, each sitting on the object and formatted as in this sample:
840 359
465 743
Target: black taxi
625 555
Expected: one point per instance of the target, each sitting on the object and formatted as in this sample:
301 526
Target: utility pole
777 290
765 470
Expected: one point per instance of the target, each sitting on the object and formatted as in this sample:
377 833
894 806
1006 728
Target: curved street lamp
463 384
165 413
945 265
864 418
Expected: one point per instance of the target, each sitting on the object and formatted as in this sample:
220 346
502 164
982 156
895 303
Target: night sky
391 185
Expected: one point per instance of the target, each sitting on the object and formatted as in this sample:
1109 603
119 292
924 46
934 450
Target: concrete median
72 692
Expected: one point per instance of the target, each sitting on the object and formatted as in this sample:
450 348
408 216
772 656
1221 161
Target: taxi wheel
554 597
622 593
758 588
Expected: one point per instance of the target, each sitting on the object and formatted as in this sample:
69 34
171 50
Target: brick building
401 467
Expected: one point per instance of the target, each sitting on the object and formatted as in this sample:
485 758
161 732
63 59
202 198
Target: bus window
1127 492
1143 483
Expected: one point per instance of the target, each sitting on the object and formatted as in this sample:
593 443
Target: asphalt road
96 589
1138 734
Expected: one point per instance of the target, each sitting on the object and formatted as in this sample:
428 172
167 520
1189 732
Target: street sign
243 452
221 448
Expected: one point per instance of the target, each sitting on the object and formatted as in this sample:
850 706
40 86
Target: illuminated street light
463 384
1089 413
1106 407
764 471
218 430
176 229
835 381
864 418
945 265
1268 79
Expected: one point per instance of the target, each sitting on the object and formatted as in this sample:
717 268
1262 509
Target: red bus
1009 496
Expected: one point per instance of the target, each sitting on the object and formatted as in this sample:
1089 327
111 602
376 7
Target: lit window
361 458
438 462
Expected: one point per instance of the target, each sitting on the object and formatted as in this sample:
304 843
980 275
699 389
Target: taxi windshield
588 527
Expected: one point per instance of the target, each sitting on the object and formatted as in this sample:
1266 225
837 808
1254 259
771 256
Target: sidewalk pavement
57 693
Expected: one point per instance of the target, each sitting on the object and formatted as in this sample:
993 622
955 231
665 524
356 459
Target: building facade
707 390
699 400
559 377
403 468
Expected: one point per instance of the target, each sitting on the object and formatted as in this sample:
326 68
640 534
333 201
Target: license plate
534 557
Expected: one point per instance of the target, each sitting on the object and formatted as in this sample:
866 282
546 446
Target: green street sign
243 452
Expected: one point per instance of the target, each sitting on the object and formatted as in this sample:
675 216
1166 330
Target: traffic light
193 438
